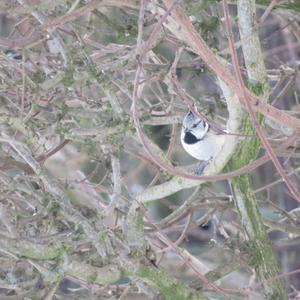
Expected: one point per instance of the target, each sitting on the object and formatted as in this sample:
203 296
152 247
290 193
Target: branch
59 195
196 42
254 68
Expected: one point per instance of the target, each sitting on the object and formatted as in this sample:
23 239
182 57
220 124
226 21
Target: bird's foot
201 166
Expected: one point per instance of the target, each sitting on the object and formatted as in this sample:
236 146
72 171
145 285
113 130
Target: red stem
245 95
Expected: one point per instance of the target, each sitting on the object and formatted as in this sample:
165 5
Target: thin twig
192 37
247 99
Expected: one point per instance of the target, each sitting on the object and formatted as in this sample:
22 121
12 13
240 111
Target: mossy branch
260 249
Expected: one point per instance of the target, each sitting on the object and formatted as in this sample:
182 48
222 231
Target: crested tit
199 141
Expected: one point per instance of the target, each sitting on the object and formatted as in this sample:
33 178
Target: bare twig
247 99
191 36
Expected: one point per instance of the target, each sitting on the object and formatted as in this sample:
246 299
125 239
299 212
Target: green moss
40 252
68 79
39 76
122 26
292 6
35 295
54 209
169 288
84 121
261 254
139 221
204 4
91 278
91 274
209 25
258 88
136 252
249 148
259 246
263 2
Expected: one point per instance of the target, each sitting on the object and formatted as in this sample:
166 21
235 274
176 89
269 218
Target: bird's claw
201 166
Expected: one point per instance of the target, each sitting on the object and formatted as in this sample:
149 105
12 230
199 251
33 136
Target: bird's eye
195 125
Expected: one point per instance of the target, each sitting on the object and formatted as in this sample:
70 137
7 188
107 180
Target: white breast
206 149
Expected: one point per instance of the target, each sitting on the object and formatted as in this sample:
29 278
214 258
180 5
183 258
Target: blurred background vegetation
71 163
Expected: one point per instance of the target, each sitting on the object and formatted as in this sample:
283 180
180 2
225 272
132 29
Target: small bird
199 141
13 55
